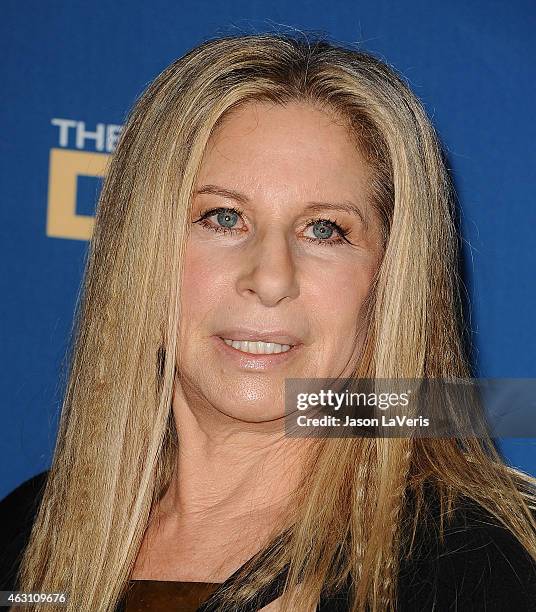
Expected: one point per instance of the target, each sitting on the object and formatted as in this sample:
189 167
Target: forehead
295 149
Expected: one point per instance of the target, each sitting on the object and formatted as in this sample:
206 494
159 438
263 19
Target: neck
229 469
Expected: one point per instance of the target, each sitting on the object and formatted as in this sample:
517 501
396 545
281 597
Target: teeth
257 347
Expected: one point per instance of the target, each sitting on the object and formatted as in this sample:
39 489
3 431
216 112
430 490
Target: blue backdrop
72 69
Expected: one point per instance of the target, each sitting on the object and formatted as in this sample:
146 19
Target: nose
269 270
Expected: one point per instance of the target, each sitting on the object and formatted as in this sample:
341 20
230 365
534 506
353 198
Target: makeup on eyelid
346 206
341 229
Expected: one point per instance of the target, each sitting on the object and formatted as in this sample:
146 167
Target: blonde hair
117 444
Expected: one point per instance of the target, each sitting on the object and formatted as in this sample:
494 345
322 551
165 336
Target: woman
272 195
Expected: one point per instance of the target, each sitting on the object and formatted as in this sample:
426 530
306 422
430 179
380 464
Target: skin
235 467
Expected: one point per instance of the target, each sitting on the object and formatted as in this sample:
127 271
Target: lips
280 336
257 347
257 362
254 362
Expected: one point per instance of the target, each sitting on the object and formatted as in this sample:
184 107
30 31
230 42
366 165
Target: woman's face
282 250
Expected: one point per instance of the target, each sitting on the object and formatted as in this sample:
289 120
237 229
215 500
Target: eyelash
342 231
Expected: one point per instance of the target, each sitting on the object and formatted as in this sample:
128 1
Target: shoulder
17 514
478 565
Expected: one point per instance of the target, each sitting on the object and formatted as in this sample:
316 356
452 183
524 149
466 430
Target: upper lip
280 336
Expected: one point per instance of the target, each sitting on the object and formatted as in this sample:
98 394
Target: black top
480 566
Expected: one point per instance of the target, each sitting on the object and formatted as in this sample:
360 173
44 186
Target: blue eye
322 229
227 218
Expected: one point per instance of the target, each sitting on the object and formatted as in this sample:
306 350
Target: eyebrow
346 206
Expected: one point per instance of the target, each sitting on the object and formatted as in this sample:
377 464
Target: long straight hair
117 443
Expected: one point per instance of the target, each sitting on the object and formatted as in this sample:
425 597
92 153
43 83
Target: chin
251 412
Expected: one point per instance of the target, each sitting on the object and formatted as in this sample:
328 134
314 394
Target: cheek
337 295
203 281
198 292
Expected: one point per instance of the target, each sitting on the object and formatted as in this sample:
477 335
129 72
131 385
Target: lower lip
254 361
